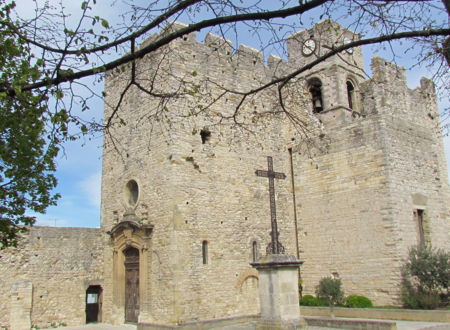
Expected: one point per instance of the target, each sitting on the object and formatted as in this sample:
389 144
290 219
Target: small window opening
205 134
315 89
205 252
418 216
255 251
350 95
92 298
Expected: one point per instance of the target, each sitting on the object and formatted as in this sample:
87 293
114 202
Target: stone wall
356 199
341 201
351 175
44 279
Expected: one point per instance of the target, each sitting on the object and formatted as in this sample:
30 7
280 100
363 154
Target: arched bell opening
315 91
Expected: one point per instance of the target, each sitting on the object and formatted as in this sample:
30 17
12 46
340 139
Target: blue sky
79 167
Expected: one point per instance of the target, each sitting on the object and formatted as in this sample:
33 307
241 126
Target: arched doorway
130 292
131 284
94 304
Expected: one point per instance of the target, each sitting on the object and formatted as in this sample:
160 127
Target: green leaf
59 94
105 23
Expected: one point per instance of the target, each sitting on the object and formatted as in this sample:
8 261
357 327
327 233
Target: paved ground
401 325
100 326
407 325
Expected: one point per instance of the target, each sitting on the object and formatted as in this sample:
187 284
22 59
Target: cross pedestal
278 291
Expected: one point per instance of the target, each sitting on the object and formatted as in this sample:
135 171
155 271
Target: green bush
309 300
425 278
330 291
417 298
354 301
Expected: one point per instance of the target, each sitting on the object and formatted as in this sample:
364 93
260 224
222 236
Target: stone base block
278 289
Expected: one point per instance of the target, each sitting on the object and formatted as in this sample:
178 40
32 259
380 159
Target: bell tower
333 84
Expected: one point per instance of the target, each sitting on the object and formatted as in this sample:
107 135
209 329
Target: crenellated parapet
341 90
388 74
387 93
323 37
219 44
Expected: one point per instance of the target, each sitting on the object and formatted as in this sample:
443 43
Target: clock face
347 41
309 46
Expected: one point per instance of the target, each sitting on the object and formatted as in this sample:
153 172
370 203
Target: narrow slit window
205 252
418 218
254 251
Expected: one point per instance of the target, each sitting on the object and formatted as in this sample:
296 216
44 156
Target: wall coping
378 313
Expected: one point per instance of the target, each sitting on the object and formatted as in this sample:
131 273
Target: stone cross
274 246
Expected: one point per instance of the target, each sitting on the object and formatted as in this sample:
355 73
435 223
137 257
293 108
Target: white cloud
91 187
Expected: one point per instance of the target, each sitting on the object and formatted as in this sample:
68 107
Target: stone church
183 213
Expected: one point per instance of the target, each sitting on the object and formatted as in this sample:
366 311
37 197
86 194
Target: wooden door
131 285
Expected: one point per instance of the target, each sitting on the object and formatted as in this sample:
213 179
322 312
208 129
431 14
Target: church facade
184 212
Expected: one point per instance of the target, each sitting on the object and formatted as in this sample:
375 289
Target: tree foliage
43 95
26 153
330 290
426 278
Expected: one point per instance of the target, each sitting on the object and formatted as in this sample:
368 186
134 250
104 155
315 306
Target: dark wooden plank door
131 285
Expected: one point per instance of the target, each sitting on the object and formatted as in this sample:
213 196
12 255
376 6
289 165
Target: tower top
306 46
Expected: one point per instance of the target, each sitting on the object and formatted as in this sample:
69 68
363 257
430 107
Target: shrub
417 298
354 301
309 300
330 290
425 278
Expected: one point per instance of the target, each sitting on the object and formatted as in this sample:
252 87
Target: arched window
315 90
351 95
205 252
254 251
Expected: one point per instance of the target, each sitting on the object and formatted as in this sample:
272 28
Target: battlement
387 92
328 34
387 73
219 44
245 67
